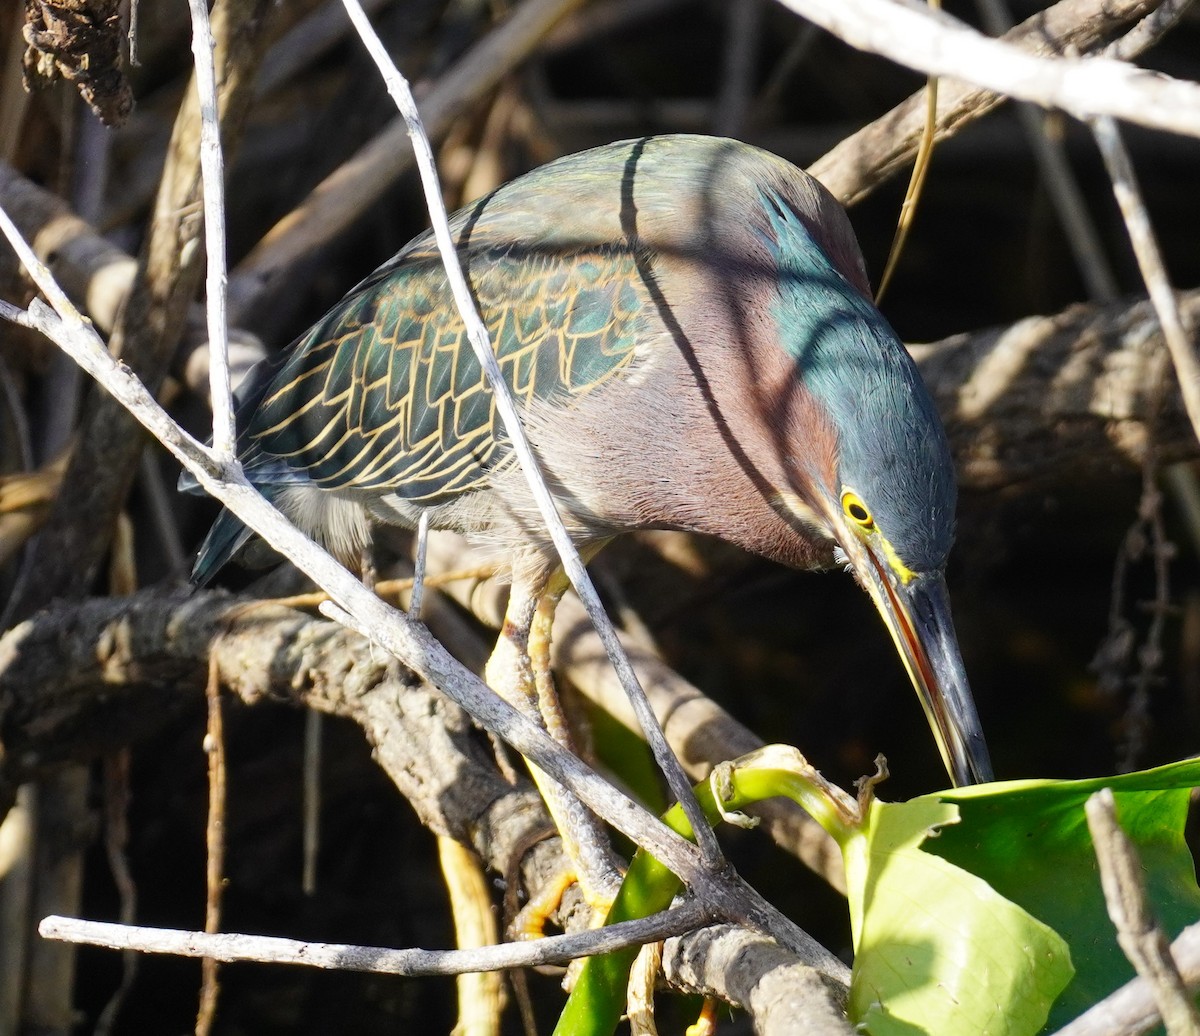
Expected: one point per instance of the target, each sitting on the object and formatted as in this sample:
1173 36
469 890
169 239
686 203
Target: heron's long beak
917 614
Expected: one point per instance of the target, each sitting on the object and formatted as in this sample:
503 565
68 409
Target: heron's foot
706 1024
530 923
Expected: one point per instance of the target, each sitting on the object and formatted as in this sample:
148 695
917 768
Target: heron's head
883 491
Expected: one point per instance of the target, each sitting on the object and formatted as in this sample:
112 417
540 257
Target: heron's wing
386 393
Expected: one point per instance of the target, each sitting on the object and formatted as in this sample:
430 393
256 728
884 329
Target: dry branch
1065 398
264 949
510 421
782 996
933 43
102 466
77 680
879 150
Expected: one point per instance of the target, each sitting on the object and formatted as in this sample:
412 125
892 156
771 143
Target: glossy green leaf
971 908
937 950
1029 840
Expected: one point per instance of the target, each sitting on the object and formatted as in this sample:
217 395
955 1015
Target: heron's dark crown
892 449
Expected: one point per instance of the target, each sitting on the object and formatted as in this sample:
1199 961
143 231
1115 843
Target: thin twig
211 168
228 947
214 840
224 439
477 334
1145 247
1137 930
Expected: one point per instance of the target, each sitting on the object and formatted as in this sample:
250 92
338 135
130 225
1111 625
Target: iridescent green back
385 393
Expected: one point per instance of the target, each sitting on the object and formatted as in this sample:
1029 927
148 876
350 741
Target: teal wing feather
385 393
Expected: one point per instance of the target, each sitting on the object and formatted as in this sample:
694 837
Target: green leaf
1029 840
937 950
971 909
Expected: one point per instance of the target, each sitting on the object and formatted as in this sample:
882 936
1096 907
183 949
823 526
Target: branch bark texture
1069 397
69 552
882 148
77 680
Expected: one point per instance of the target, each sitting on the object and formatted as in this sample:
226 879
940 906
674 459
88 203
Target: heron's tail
226 537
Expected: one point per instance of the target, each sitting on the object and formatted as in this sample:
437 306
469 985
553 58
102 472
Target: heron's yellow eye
857 511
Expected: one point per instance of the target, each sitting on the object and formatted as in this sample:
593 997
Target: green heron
686 325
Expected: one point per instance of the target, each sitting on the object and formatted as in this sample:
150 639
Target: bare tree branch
933 43
1132 1010
1138 931
568 554
264 949
130 664
879 150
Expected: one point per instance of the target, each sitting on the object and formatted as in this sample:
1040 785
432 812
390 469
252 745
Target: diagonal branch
728 895
1150 262
933 43
572 563
870 157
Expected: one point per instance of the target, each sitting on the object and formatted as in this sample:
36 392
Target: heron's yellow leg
599 878
519 671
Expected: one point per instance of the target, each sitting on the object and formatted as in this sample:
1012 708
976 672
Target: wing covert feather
385 393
